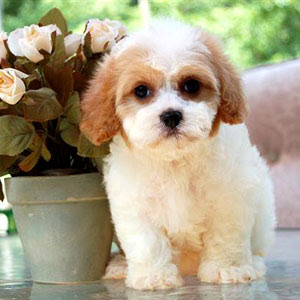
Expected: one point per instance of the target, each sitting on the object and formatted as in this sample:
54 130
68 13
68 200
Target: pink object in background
273 94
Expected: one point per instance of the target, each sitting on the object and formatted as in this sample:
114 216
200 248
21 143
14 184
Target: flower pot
64 224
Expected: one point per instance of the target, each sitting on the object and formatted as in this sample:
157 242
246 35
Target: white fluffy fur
211 195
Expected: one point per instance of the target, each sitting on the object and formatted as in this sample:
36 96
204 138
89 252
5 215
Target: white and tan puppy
188 192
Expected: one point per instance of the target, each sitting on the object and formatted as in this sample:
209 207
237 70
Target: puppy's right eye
191 86
141 91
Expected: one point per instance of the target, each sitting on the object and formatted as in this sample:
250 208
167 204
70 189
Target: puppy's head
165 86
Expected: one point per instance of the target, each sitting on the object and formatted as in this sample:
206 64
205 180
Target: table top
281 282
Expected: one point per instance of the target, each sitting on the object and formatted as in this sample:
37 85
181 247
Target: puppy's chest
176 203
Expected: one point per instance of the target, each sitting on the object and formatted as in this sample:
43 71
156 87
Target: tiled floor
282 280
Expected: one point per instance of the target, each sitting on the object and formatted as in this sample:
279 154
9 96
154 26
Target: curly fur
198 201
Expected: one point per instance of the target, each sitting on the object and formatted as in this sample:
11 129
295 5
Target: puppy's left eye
141 91
191 86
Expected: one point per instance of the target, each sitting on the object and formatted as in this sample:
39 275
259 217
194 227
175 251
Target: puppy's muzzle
171 118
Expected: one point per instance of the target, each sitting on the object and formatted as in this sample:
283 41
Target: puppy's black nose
171 118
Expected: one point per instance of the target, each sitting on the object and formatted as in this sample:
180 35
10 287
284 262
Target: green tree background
254 31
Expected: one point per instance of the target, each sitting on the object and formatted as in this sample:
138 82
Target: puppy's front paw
209 271
166 278
117 268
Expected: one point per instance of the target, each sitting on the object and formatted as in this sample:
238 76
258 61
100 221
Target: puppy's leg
117 267
148 252
265 221
227 253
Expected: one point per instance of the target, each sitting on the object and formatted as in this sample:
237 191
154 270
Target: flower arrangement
44 71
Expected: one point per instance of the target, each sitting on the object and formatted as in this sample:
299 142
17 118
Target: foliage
40 129
254 32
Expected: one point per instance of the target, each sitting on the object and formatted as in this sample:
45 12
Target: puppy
188 192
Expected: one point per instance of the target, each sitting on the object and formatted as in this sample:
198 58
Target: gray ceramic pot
64 225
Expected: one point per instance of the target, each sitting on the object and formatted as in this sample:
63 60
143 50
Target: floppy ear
99 120
233 108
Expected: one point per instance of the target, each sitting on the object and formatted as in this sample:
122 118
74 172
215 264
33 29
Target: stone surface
282 280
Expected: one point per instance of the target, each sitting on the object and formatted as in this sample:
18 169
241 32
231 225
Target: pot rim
61 180
66 201
51 176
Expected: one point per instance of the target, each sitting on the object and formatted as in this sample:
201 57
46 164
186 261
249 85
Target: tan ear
233 108
99 120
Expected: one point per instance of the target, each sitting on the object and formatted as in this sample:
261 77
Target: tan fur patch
136 73
215 125
139 73
188 262
233 108
201 72
125 138
99 120
198 71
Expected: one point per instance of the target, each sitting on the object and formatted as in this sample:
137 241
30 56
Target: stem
40 69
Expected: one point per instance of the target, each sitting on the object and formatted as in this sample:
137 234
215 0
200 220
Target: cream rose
28 41
72 42
104 34
12 87
3 51
118 26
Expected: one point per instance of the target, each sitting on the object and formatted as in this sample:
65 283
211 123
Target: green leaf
37 141
98 161
69 132
57 58
1 192
54 16
31 160
77 61
25 65
5 162
35 77
80 81
91 65
72 109
5 63
3 105
87 46
27 100
61 81
10 57
46 154
16 134
46 106
87 149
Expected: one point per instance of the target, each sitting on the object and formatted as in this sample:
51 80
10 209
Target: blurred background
255 32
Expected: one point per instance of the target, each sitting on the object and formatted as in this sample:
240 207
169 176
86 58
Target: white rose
12 87
104 34
28 41
72 42
118 26
3 51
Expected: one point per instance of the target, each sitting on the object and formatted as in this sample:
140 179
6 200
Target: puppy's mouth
178 135
172 133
